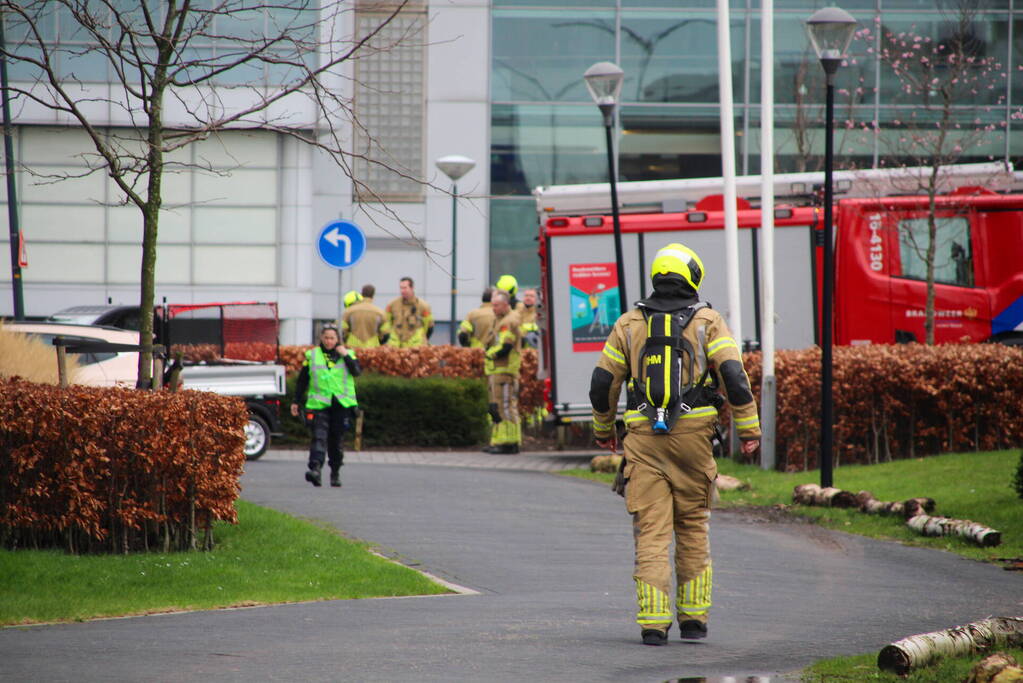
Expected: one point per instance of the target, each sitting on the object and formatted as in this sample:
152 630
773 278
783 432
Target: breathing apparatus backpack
668 358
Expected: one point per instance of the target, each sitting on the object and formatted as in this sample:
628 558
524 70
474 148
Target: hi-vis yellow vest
326 382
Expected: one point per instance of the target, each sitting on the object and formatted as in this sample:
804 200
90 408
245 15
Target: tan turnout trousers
669 492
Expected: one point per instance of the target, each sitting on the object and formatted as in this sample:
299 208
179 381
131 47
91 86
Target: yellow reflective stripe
667 364
602 426
466 326
614 354
705 411
634 416
719 344
747 422
654 605
694 596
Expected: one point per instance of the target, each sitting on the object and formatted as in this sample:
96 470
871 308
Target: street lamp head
831 30
604 81
455 166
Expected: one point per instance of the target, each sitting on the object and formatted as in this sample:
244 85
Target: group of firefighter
325 389
678 364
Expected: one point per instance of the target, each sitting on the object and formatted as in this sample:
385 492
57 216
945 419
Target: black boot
313 476
335 478
692 629
654 636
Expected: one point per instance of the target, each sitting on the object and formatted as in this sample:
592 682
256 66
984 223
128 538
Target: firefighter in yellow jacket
502 358
363 325
669 469
409 317
528 315
477 324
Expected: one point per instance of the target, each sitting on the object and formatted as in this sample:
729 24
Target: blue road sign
341 244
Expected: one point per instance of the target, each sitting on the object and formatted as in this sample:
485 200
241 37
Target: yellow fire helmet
508 283
352 297
678 259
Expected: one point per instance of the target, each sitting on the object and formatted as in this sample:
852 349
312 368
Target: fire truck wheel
257 437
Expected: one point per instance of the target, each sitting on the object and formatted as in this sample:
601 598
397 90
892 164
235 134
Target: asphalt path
548 560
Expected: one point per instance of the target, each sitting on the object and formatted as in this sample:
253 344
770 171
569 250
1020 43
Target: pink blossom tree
933 77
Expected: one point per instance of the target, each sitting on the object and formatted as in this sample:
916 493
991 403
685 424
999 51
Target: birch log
945 526
605 463
917 651
812 494
906 508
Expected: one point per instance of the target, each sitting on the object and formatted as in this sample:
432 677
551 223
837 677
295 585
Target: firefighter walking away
671 353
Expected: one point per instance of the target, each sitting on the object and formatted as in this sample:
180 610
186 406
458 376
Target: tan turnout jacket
712 342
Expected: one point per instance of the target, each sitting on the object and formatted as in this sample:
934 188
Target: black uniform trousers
327 428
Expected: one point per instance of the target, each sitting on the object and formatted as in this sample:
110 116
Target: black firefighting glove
618 486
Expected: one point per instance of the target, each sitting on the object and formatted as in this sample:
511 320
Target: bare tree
191 55
946 84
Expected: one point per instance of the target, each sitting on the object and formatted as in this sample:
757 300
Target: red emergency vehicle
880 269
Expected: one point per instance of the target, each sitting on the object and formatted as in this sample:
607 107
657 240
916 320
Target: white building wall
85 254
414 239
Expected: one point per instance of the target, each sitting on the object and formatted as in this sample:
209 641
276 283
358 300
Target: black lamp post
454 167
831 30
604 81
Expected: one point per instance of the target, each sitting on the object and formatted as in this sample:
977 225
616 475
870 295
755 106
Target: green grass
864 668
268 557
974 486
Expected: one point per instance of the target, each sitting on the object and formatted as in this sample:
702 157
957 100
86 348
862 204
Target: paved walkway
537 461
550 558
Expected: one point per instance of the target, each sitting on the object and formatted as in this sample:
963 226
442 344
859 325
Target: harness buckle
684 407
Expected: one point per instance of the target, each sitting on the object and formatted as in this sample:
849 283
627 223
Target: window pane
798 75
513 231
545 145
672 56
661 143
559 3
799 139
929 4
953 256
920 43
541 56
914 136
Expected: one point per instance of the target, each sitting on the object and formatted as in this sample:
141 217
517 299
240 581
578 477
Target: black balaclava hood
671 293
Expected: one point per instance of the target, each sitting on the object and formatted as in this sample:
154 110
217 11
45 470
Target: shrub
430 411
435 361
111 469
897 401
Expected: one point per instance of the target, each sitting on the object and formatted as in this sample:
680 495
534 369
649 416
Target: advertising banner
595 306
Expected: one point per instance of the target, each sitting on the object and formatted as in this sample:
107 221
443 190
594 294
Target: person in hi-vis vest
327 385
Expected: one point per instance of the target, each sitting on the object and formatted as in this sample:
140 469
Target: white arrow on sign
334 237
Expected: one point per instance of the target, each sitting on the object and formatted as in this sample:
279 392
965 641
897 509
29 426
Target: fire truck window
953 255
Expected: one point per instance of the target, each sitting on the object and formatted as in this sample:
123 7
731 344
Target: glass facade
545 129
209 47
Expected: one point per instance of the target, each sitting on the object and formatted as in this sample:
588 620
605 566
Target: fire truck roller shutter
793 290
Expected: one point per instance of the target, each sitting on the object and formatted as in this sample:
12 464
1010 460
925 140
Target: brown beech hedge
116 470
898 401
434 361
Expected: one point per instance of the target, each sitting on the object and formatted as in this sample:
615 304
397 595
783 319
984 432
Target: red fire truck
881 223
